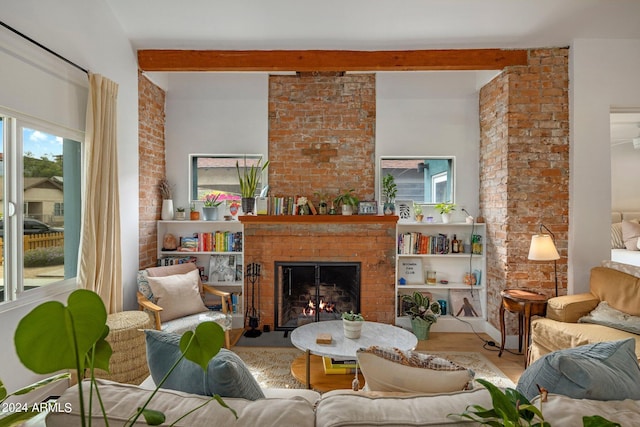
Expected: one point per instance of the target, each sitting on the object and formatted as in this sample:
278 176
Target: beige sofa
560 328
339 408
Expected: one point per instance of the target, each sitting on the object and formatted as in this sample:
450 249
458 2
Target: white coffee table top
373 333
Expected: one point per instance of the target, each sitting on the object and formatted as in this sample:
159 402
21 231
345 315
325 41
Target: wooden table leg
527 332
502 330
520 330
308 371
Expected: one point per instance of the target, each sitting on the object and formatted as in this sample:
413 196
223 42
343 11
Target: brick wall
322 134
151 165
344 239
524 172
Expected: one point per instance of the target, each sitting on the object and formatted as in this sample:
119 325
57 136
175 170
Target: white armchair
174 296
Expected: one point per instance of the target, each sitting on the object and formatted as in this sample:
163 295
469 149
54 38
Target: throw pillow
630 234
605 315
391 369
178 295
616 236
600 371
226 374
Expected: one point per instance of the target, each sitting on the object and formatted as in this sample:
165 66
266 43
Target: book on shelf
416 243
173 260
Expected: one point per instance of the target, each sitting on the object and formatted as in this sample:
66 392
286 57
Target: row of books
219 241
273 205
173 260
338 366
418 243
232 303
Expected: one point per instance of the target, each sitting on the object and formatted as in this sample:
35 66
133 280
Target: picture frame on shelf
404 210
368 207
411 270
465 303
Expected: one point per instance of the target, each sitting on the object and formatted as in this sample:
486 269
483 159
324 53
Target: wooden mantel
318 219
330 60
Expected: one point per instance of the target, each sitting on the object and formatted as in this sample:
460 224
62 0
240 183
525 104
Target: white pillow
178 295
606 315
391 369
630 235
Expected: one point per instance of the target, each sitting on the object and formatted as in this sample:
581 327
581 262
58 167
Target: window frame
429 183
12 279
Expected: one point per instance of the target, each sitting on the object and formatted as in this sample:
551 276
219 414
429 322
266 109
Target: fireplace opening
308 292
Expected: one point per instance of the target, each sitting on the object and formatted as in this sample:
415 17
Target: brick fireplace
369 240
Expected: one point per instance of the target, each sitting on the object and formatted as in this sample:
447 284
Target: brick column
524 172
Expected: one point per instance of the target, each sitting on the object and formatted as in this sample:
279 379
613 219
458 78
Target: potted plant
249 179
445 209
180 214
352 323
210 208
389 191
348 201
417 210
167 203
422 311
194 215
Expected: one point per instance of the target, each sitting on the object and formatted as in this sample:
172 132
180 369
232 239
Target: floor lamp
543 248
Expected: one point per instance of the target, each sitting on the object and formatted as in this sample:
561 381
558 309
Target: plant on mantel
53 338
347 200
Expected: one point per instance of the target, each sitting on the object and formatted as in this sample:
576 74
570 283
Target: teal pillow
226 373
601 371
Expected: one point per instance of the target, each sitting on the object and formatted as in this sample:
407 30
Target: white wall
213 113
603 74
91 37
625 177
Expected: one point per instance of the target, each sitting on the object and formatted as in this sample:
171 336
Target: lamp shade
542 248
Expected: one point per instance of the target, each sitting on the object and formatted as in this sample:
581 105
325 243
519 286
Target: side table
525 304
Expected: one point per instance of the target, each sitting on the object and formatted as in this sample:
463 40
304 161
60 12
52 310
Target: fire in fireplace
308 292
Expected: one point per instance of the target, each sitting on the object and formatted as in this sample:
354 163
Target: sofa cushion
121 401
561 410
609 316
630 234
600 371
620 290
345 408
178 295
226 373
391 369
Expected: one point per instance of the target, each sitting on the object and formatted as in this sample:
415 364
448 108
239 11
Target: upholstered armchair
174 296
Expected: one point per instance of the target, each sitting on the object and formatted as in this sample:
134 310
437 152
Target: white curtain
100 266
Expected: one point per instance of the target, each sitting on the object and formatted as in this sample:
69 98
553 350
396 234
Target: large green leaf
102 353
16 419
3 391
598 421
46 339
200 346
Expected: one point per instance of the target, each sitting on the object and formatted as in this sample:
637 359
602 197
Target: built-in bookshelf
217 248
426 262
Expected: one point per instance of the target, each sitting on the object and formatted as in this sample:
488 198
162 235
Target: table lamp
543 248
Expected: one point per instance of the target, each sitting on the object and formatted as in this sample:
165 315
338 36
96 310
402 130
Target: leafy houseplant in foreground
422 311
53 337
511 409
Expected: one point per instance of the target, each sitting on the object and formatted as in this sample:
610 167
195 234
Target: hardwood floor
511 364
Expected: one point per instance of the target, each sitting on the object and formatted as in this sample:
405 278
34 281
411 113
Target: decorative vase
347 210
445 218
210 213
248 204
389 208
322 208
421 328
167 210
352 328
181 215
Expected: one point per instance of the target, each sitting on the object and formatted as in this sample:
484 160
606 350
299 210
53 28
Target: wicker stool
128 362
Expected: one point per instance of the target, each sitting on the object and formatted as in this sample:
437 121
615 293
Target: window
40 170
426 180
218 174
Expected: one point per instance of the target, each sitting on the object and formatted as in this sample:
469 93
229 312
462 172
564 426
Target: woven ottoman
128 362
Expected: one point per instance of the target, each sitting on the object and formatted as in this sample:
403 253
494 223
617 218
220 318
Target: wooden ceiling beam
329 60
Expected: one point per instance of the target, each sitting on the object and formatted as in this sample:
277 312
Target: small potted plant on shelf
348 200
352 323
180 214
194 215
389 191
249 179
417 209
445 209
167 203
210 208
422 311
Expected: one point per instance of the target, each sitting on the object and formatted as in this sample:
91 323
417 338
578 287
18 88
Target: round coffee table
373 333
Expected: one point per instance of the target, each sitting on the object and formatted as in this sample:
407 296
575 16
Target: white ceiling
372 24
380 25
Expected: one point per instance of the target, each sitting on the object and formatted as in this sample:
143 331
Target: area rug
271 366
